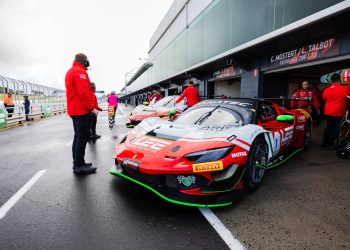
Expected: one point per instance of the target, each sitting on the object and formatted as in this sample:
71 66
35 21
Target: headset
87 64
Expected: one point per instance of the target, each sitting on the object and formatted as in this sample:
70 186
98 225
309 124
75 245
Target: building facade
244 48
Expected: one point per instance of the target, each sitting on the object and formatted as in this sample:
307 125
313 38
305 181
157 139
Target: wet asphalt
99 211
302 205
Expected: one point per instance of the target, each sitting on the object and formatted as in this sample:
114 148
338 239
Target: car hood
159 138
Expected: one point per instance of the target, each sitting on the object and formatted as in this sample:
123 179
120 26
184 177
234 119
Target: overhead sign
225 73
308 52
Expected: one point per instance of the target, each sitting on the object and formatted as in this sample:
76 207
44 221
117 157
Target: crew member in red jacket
93 134
80 105
156 95
191 94
305 99
336 98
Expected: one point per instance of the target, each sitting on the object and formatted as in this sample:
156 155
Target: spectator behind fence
80 105
93 134
336 102
26 104
8 103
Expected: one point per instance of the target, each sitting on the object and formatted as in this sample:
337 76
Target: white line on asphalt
70 142
12 201
231 241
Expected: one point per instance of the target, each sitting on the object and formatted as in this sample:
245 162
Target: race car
212 151
162 109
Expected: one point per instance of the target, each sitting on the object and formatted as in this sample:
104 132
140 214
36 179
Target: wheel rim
258 164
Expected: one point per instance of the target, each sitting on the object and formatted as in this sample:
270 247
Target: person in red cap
191 94
336 98
80 105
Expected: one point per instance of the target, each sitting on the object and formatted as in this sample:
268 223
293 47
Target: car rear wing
344 76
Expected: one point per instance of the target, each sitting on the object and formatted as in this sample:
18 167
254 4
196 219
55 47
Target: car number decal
151 143
279 138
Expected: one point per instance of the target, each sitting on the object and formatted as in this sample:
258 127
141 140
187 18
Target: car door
281 132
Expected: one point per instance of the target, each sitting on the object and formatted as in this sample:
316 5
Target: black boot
95 136
84 169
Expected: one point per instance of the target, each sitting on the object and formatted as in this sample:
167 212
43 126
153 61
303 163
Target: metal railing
37 93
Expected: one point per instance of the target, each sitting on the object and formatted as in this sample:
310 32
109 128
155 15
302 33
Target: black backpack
343 150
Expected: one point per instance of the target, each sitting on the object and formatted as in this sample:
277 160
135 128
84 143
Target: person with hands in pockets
80 106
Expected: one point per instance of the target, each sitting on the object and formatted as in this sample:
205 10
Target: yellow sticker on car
207 166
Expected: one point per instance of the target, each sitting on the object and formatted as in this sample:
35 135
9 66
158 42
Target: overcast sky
39 38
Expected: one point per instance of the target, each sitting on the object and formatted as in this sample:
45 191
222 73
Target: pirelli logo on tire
208 166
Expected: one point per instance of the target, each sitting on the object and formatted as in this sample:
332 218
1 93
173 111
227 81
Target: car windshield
167 101
218 116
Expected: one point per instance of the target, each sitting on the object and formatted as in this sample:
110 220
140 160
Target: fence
37 93
44 101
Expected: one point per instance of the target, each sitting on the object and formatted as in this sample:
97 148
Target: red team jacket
336 97
157 96
191 94
305 104
78 91
95 101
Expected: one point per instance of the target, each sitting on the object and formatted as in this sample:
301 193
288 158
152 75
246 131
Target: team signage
308 52
225 73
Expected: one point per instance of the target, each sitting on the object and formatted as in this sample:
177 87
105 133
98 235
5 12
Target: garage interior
284 82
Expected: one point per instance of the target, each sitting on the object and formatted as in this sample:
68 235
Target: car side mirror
285 118
146 103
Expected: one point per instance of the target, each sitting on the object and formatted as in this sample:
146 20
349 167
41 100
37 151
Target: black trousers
332 130
93 124
10 109
81 125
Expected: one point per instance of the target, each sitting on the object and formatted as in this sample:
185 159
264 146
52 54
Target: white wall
180 14
195 7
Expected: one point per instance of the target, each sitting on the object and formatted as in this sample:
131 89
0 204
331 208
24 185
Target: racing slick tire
256 164
307 134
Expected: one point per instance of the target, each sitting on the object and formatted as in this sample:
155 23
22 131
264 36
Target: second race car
162 109
212 150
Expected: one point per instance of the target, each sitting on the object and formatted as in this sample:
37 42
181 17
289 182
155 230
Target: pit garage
283 82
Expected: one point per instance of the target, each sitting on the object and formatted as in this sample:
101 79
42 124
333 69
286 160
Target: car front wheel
256 165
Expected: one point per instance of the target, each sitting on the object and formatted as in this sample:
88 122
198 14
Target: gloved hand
95 112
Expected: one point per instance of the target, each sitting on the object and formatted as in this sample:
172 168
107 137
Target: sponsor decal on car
301 118
278 138
300 127
186 180
150 143
239 154
207 166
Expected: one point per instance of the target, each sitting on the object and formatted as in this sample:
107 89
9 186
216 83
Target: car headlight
209 155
